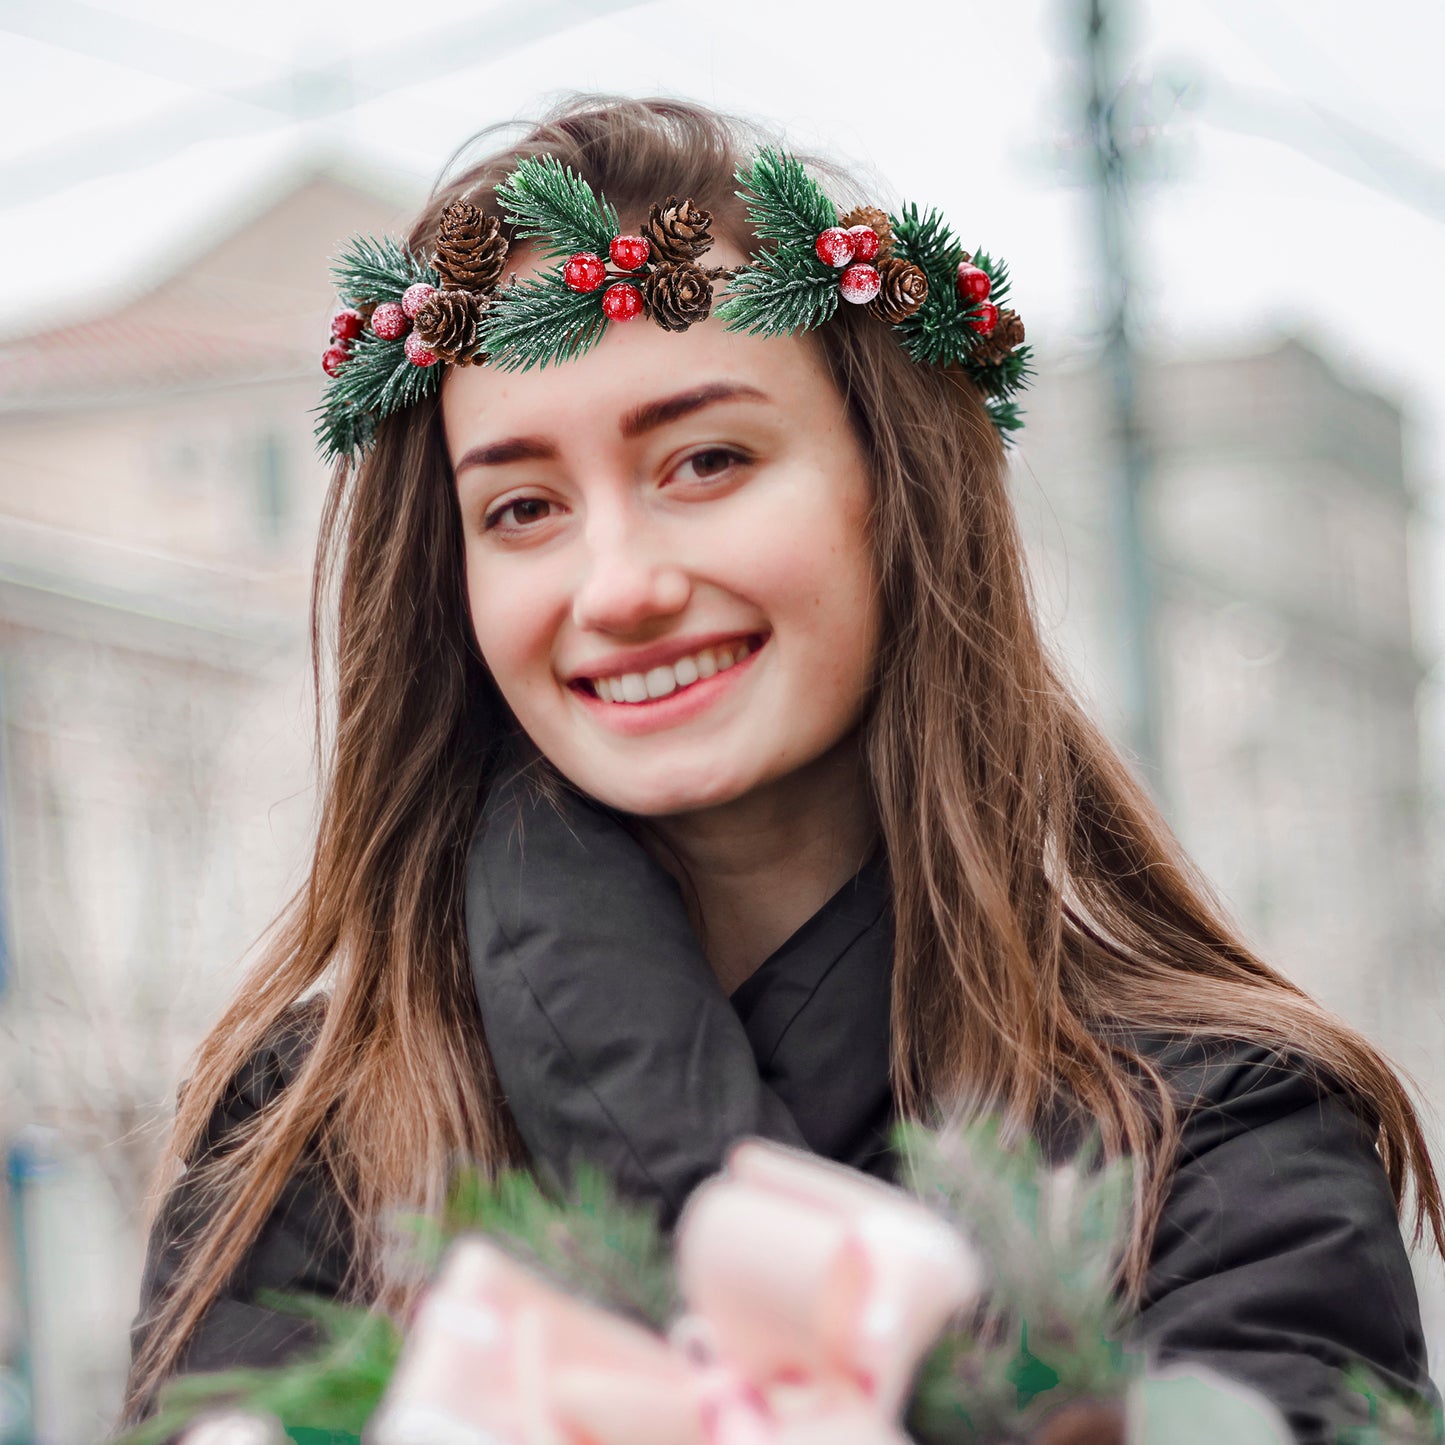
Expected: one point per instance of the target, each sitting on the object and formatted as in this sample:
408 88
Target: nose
629 579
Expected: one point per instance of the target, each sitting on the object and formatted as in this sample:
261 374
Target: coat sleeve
303 1248
612 1040
1279 1260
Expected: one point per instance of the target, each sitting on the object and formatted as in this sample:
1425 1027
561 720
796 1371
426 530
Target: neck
754 870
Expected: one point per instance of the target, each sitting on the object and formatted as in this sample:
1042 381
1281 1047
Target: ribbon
810 1293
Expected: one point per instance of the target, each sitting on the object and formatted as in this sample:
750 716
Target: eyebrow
641 419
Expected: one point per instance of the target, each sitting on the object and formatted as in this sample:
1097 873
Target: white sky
118 141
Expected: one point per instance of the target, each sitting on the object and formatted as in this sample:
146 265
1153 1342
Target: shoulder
1225 1087
263 1077
1278 1257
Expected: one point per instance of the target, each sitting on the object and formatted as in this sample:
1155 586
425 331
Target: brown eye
524 510
711 464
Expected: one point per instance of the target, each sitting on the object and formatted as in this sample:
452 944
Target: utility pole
1109 159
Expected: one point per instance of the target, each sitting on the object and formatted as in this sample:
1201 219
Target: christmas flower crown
401 314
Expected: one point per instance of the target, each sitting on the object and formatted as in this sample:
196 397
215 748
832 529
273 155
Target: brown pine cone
904 290
878 220
1008 332
677 295
470 249
447 325
678 231
1083 1422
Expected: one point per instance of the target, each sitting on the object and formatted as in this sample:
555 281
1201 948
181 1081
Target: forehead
635 363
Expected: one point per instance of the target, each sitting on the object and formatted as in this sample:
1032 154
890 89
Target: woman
854 852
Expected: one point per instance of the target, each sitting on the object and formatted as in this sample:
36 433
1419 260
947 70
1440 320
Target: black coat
1279 1258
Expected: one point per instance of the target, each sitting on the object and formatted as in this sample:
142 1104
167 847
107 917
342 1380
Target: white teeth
660 681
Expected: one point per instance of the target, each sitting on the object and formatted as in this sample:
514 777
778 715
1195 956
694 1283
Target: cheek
513 629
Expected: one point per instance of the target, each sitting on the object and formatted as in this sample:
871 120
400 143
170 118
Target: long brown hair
1043 908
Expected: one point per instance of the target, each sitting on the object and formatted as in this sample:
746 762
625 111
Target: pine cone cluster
470 249
678 231
447 325
904 290
1008 332
878 220
678 293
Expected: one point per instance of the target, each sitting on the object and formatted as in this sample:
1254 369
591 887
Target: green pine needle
376 380
1051 1323
926 240
373 268
785 204
337 1389
778 295
589 1243
535 322
544 200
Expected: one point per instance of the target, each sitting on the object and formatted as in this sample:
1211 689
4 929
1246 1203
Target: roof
251 302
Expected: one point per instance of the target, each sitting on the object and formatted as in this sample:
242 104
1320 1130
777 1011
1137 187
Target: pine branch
531 323
997 273
543 199
337 1389
341 433
1049 1328
373 268
774 296
926 240
785 204
589 1243
376 380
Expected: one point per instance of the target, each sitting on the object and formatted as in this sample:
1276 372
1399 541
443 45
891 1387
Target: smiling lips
667 678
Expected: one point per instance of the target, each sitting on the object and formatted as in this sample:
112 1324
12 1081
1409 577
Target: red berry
415 297
389 321
865 243
860 283
621 301
346 324
333 359
417 353
629 252
584 271
985 319
973 283
835 246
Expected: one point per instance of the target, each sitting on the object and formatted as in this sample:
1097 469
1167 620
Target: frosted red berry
418 353
973 283
333 359
860 283
389 321
584 271
835 247
866 244
621 301
415 297
346 324
629 252
985 318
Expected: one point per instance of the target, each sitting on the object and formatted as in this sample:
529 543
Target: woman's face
667 559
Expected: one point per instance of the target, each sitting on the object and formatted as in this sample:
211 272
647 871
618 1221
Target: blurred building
158 504
1289 678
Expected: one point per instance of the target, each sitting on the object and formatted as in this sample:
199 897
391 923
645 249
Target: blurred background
1224 221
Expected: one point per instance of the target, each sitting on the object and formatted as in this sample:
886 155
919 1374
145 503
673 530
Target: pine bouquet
799 1303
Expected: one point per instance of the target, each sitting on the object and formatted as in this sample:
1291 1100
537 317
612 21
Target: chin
670 792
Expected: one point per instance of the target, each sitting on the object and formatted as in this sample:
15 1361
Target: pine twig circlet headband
401 316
